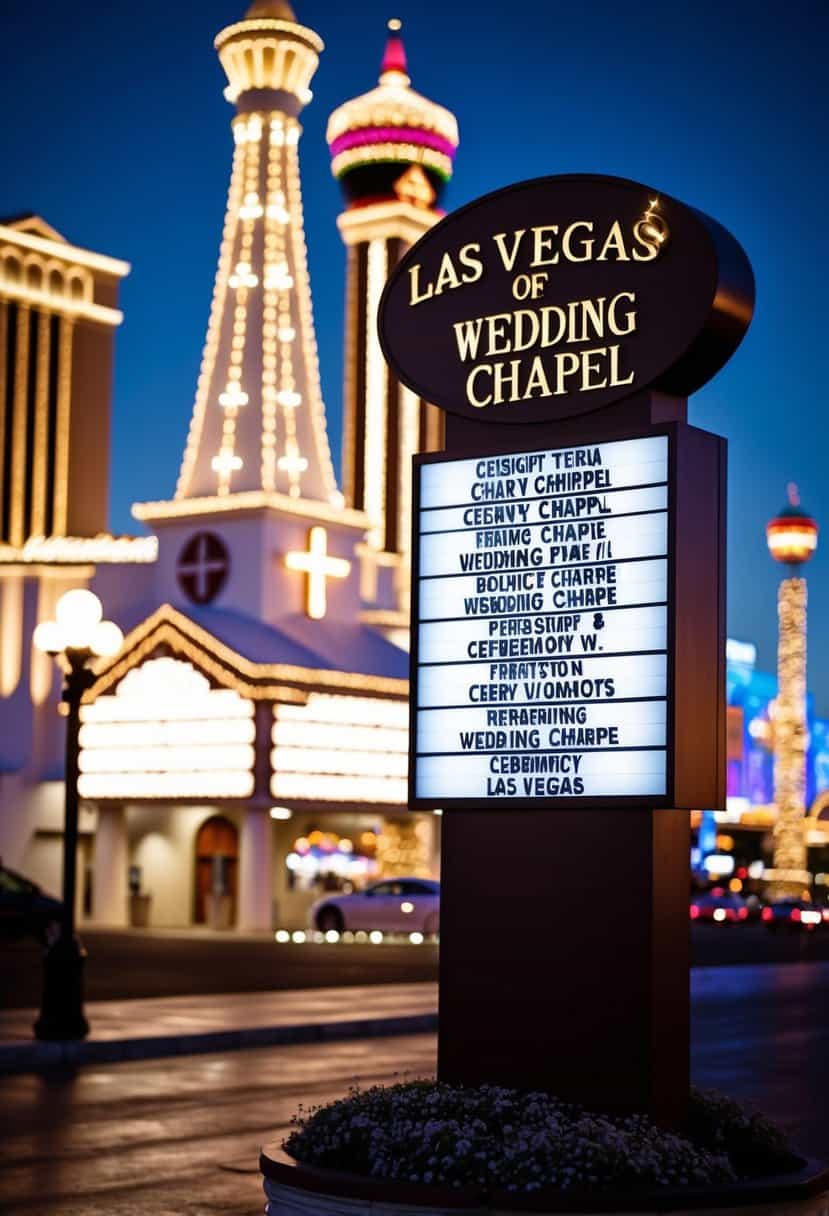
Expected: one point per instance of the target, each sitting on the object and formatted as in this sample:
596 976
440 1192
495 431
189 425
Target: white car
395 905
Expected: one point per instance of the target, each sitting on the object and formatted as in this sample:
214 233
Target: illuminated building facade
58 317
248 745
747 825
58 314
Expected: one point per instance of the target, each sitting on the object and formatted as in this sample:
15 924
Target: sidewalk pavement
186 1025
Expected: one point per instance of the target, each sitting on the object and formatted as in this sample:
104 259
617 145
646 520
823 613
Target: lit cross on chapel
318 566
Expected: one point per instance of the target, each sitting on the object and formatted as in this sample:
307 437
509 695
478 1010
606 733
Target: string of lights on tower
259 420
792 540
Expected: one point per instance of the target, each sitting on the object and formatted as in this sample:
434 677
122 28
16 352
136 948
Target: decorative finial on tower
394 69
268 52
273 10
392 143
792 535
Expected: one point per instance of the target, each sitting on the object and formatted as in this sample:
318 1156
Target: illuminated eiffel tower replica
257 500
260 358
256 494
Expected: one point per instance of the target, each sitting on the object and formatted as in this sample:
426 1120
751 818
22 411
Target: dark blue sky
117 133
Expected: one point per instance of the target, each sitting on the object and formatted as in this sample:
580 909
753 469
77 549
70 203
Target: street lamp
76 636
792 539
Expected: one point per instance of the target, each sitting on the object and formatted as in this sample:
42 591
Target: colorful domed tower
392 143
392 150
792 534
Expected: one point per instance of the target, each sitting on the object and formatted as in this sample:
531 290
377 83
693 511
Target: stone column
109 889
255 871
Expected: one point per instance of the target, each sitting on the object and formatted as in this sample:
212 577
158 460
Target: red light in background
767 914
795 914
694 911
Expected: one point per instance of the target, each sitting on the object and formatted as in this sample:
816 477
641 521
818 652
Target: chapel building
247 749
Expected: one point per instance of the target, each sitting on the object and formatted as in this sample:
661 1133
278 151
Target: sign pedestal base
564 956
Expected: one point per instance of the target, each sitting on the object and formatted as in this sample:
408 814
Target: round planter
297 1190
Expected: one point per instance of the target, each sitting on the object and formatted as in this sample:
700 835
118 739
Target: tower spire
259 421
392 150
394 69
277 10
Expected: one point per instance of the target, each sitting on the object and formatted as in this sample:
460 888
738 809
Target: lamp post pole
61 1011
78 635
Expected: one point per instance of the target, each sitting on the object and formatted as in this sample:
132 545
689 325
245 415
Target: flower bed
492 1140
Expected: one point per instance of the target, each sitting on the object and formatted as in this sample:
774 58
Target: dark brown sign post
568 623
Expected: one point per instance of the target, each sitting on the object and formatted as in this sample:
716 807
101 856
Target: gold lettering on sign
578 321
544 245
527 353
566 371
503 383
448 277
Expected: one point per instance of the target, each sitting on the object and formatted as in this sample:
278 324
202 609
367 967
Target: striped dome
792 535
392 142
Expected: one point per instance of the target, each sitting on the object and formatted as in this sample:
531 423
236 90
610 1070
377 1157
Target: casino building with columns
247 748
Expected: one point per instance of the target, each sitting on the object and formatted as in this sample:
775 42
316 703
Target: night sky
117 133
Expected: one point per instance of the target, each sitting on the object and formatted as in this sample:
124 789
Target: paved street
154 1027
175 1137
124 965
181 1136
761 1033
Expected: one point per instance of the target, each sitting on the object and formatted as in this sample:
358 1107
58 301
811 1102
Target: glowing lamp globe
78 613
792 535
48 637
106 639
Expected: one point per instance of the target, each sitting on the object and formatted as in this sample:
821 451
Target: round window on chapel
203 567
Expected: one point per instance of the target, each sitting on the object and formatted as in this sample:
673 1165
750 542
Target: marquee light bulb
277 278
226 462
233 396
288 464
278 212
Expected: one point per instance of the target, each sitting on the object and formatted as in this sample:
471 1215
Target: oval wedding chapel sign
567 610
558 296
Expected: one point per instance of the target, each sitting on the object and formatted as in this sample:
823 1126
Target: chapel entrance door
217 861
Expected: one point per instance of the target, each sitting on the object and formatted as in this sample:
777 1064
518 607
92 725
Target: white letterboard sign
540 659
